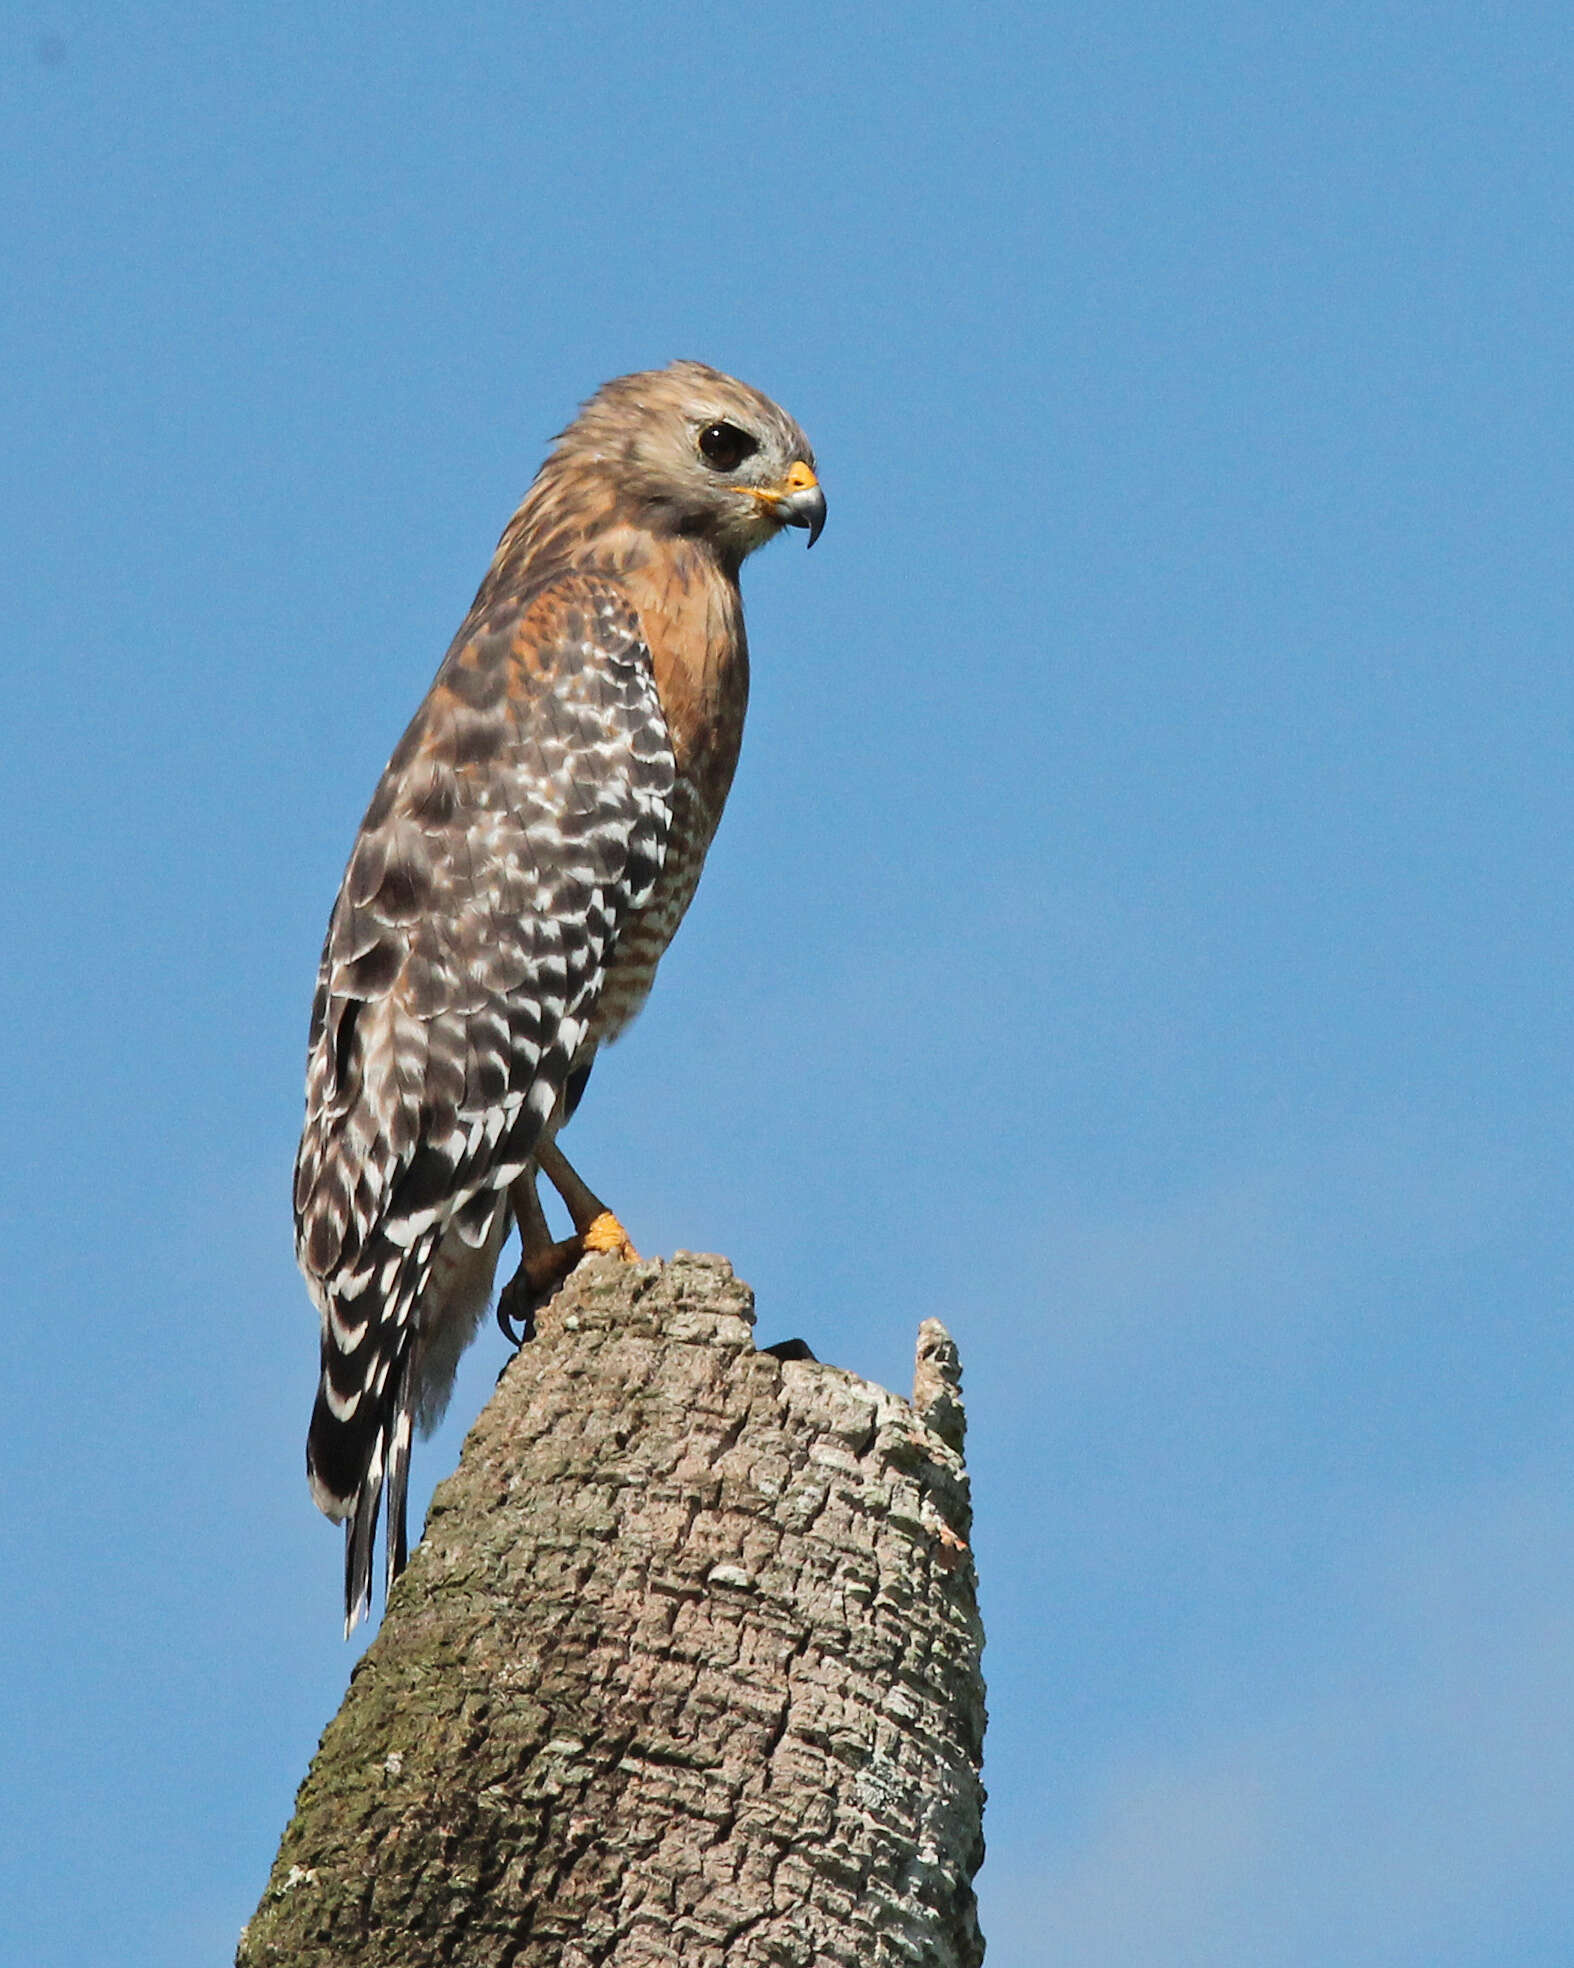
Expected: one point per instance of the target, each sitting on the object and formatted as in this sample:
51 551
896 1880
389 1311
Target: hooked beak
797 501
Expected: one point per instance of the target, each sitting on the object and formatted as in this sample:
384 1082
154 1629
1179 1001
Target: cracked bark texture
684 1670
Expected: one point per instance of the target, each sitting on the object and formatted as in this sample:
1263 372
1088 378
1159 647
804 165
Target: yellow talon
605 1234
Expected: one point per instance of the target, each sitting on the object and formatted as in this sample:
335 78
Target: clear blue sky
1140 933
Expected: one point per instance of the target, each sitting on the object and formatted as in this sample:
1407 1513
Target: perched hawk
524 862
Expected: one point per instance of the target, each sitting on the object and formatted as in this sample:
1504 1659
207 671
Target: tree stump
685 1669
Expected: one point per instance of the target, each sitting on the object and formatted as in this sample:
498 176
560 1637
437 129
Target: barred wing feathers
523 818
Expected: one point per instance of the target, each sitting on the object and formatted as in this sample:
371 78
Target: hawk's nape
525 860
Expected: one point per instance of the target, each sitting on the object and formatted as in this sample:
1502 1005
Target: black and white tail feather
358 1445
360 1532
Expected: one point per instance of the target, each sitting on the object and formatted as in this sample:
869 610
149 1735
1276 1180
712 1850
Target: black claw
516 1312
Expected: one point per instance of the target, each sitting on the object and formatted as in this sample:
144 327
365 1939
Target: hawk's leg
596 1228
544 1262
540 1269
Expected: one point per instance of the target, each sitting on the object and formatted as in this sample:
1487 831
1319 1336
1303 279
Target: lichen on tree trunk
684 1671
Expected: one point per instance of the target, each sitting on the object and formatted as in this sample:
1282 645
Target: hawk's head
690 451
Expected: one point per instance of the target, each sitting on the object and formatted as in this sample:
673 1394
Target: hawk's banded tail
358 1444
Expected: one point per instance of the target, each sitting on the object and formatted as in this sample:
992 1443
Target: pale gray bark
684 1671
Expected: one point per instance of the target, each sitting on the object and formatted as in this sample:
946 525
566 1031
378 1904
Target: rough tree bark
685 1669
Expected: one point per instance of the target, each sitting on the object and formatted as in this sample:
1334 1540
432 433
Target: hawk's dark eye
726 447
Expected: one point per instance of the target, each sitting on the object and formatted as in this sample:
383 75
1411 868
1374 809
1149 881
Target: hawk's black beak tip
805 507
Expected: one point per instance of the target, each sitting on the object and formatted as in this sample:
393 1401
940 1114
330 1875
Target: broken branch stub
684 1671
